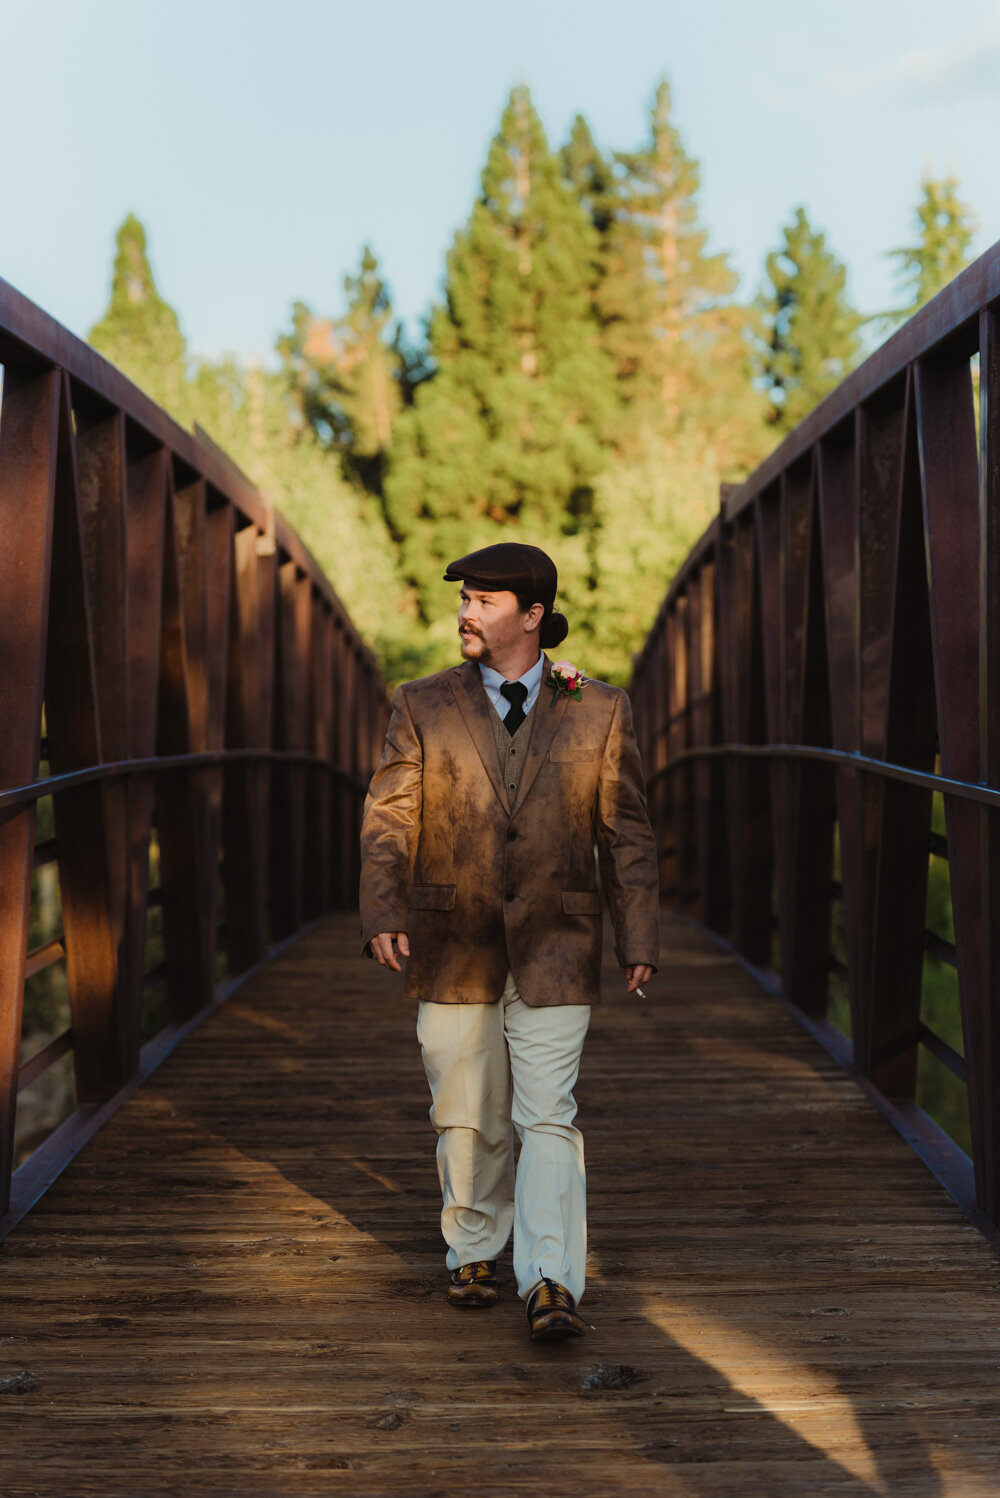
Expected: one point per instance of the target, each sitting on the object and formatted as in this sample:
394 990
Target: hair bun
555 628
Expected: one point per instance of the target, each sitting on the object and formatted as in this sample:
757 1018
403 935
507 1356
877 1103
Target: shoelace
470 1272
551 1297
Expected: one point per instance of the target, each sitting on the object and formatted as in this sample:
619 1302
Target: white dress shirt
493 681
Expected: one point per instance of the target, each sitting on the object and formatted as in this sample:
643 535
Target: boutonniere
566 681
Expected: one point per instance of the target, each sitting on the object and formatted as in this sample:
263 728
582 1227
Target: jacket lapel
549 710
470 694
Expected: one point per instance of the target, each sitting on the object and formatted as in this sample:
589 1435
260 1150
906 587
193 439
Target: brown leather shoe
474 1284
552 1313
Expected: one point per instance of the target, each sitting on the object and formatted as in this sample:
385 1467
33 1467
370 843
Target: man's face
489 623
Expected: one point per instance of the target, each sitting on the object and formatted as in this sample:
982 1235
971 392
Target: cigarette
639 993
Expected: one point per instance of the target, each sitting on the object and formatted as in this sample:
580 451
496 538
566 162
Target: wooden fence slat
807 786
186 897
989 753
101 464
245 797
146 500
950 482
318 828
29 417
838 500
93 930
892 989
287 851
708 777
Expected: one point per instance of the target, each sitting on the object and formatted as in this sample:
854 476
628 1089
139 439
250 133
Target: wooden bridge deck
236 1288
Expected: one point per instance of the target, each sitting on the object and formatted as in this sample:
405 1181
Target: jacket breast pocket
580 755
581 902
433 897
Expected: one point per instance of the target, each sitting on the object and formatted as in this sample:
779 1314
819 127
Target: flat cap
511 566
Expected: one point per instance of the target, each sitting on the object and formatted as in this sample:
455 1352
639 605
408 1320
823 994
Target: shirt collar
530 678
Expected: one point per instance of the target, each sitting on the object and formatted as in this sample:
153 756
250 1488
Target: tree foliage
140 332
810 335
344 374
508 435
944 227
677 336
588 379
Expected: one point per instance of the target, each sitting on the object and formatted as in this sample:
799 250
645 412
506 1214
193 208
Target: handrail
208 704
824 662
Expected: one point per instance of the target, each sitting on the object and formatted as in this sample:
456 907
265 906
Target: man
497 778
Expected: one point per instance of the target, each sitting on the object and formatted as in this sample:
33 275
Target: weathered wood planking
236 1288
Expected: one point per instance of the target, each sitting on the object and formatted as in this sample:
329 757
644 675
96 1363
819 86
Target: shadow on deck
236 1288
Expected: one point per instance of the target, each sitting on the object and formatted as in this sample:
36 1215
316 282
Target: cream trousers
491 1067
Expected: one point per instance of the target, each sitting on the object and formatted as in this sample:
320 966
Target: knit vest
511 750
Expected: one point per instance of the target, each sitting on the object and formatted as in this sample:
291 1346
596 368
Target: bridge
221 1270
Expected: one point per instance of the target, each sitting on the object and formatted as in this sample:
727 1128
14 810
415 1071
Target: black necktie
516 694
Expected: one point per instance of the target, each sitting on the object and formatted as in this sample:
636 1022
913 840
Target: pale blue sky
262 143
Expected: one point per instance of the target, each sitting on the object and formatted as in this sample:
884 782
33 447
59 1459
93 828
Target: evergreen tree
811 336
345 374
945 226
677 338
591 176
140 332
507 436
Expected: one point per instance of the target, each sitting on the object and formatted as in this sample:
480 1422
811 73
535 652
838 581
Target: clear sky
262 143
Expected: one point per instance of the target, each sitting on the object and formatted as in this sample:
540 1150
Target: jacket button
509 895
511 834
512 787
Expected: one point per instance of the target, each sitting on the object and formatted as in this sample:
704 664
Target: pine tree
591 176
345 375
945 227
507 436
676 336
811 333
140 332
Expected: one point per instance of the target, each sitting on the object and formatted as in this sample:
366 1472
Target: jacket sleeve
390 828
625 844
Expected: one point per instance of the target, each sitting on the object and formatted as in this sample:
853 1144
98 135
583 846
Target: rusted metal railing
826 660
204 694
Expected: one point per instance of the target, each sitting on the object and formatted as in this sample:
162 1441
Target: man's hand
384 954
635 975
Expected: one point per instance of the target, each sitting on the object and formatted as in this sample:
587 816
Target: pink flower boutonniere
566 681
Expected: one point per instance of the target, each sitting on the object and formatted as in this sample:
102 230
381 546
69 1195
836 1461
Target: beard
474 647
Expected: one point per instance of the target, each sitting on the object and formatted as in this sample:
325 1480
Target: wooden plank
29 417
287 839
899 906
881 440
708 813
989 749
102 477
245 798
186 897
772 1272
318 897
808 786
146 503
745 716
93 927
950 484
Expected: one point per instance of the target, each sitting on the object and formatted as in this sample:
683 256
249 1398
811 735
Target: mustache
466 629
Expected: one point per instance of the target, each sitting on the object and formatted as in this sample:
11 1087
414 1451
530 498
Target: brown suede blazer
479 887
